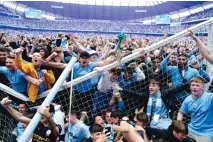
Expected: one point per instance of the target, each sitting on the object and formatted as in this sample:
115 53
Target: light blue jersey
17 79
77 132
79 71
20 130
201 111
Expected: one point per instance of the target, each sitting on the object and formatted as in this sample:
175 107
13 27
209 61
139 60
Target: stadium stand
129 81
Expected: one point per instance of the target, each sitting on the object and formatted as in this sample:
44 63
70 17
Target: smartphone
107 130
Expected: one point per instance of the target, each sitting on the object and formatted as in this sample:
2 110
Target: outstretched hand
190 33
19 51
6 102
115 86
103 138
44 111
99 69
39 81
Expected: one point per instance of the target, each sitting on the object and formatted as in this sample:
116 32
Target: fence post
34 122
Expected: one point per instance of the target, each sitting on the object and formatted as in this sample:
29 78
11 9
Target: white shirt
105 84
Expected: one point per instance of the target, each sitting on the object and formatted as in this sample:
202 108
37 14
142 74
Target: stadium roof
108 9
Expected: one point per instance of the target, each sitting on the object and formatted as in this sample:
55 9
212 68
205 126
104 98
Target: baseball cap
84 54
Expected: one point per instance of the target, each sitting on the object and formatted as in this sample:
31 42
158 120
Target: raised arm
49 58
51 124
124 128
48 75
164 64
77 44
167 93
106 52
130 92
104 62
140 73
203 48
19 62
14 113
53 64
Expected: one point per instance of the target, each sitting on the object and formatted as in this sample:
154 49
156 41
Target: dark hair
74 112
46 51
183 54
179 127
84 54
23 103
94 117
96 128
4 49
129 70
108 111
158 58
11 56
155 81
142 117
116 71
117 113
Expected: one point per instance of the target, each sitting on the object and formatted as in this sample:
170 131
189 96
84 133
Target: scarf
158 106
121 37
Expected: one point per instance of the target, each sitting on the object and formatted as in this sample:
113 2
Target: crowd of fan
169 79
93 25
5 10
201 15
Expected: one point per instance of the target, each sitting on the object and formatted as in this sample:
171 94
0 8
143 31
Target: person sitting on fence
200 107
47 129
34 70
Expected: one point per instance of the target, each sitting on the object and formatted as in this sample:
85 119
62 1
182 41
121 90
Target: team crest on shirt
83 73
48 133
13 78
194 105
